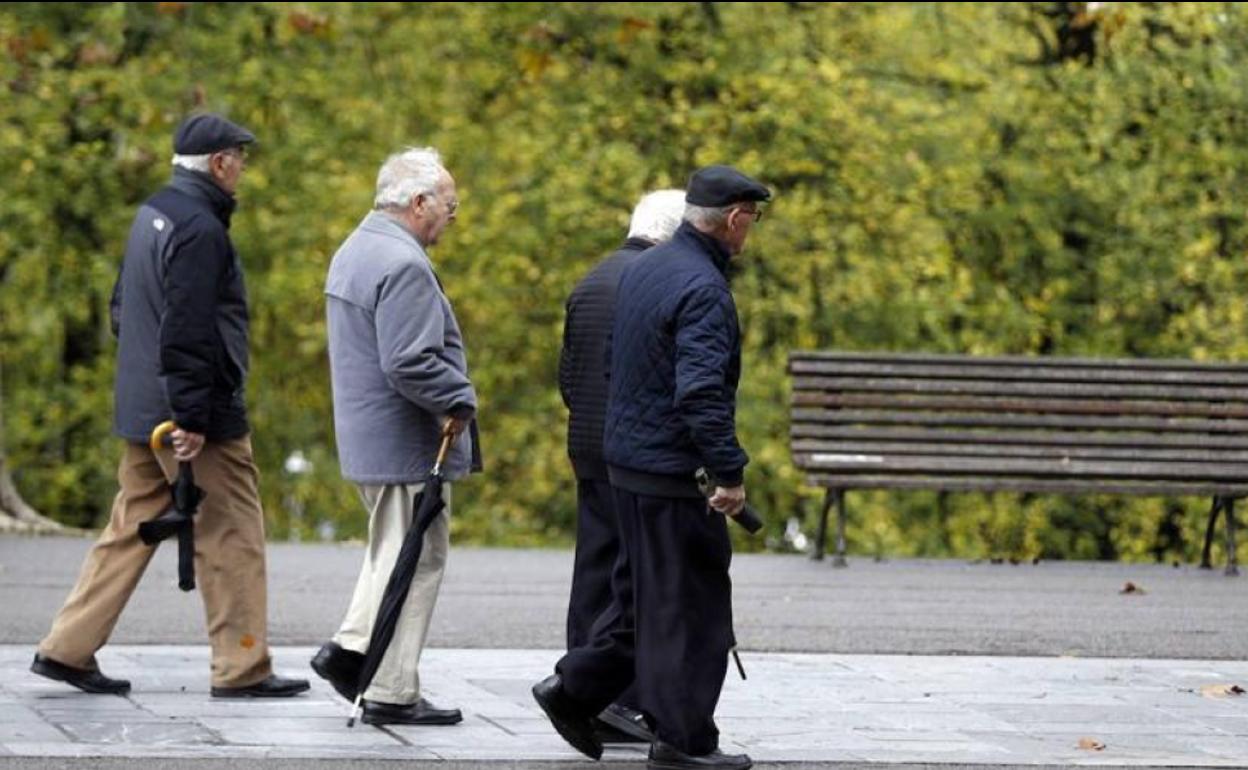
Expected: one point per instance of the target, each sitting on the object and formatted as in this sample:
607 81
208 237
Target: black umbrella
178 520
427 507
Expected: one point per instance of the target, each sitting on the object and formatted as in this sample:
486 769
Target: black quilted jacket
675 363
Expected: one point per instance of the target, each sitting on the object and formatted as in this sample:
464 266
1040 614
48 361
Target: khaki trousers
390 508
229 561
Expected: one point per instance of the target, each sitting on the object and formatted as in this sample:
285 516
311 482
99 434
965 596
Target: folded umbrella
179 519
427 507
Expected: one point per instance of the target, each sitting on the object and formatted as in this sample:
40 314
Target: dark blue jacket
582 360
179 310
675 363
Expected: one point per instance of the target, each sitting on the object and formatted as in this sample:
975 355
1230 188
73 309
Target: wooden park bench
1018 424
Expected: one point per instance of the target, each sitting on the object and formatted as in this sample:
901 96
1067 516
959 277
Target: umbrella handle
447 438
159 435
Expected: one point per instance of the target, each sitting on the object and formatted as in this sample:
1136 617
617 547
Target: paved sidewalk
795 708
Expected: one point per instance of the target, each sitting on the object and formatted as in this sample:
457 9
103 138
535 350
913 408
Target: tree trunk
15 514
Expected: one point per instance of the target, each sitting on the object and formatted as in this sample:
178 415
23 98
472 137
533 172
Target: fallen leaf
1091 744
1132 588
1221 690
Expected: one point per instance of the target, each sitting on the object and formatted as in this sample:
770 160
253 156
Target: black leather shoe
666 757
570 722
84 679
621 724
339 667
273 687
422 712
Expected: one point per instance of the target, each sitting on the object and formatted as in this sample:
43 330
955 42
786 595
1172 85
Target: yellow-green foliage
1009 178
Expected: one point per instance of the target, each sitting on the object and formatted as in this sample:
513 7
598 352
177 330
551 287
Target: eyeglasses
755 214
452 205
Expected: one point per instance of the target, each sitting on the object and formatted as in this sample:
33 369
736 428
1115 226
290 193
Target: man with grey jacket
400 380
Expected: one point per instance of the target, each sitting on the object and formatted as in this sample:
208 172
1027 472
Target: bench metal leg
821 534
1232 566
1205 562
839 559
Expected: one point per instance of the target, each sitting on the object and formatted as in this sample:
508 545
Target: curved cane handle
157 441
447 438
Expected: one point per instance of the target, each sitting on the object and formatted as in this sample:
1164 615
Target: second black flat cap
207 133
717 186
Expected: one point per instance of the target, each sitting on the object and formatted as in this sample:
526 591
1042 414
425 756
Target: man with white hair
400 380
179 311
583 385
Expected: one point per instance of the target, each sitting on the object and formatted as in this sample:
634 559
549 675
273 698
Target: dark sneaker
87 680
621 724
273 687
569 721
339 667
422 712
667 757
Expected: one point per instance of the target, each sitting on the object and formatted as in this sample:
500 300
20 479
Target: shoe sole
284 694
653 765
50 673
590 750
382 722
622 725
323 672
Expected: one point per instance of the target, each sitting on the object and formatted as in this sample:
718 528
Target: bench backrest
1063 425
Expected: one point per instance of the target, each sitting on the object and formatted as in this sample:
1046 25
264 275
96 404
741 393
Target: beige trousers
229 561
390 508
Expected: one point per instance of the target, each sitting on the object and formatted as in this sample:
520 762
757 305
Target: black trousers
669 626
599 555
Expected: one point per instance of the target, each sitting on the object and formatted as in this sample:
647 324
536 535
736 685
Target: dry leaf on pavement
1091 744
1221 690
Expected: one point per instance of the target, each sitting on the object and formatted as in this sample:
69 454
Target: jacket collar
384 224
637 244
201 187
713 247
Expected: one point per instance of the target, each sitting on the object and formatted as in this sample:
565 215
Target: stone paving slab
795 708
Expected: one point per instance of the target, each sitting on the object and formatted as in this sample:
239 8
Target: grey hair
704 217
657 215
404 175
193 162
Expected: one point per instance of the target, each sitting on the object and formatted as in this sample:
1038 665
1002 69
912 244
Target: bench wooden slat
845 464
932 448
803 430
917 403
1058 422
1029 389
1036 362
1020 371
1025 484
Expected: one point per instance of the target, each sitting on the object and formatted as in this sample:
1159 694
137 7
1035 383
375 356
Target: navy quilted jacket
675 362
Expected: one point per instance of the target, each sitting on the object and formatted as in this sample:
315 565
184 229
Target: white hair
193 162
657 215
707 217
404 175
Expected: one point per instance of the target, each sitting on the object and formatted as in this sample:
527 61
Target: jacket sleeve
706 337
114 307
565 358
411 332
188 325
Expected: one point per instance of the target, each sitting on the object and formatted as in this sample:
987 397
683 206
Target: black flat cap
718 186
207 133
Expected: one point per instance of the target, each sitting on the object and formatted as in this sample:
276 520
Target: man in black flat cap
675 362
179 311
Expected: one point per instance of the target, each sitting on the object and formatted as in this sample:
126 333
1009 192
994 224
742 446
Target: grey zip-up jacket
397 359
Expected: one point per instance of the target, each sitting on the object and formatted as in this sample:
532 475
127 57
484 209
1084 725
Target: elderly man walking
583 385
400 381
180 313
675 363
